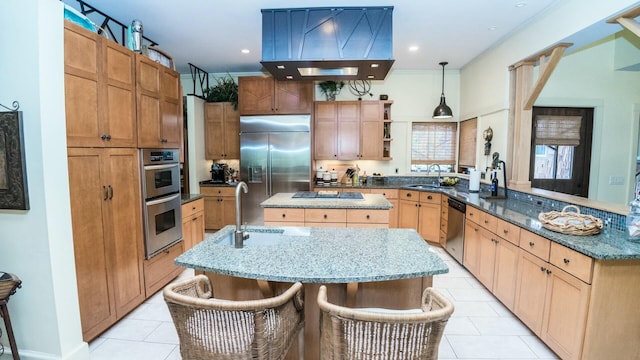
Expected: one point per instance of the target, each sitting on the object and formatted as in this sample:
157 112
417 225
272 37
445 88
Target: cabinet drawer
431 198
409 195
366 216
217 191
488 221
576 264
192 207
325 215
160 269
535 244
283 215
474 214
387 193
284 223
508 231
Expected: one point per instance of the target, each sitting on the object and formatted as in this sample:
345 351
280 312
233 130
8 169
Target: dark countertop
187 198
317 255
209 183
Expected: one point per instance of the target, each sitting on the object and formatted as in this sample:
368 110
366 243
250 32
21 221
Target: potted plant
225 90
331 88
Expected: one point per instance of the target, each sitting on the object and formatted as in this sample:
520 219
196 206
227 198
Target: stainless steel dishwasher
455 228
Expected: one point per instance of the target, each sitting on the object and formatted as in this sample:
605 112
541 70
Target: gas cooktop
327 195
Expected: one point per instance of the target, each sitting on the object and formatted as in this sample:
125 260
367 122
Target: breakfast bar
384 268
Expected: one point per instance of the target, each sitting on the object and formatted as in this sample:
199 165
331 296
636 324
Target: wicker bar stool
9 283
376 334
210 328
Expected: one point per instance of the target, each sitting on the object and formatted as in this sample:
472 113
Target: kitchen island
318 209
362 267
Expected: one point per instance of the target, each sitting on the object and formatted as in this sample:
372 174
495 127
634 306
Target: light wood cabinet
350 130
222 131
284 217
444 220
420 211
392 196
107 234
219 206
160 269
263 95
192 223
99 90
159 105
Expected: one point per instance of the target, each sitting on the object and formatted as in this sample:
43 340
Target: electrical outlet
616 180
396 170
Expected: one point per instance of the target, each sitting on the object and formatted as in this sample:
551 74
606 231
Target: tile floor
480 328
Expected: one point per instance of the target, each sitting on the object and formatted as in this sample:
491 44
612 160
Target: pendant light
442 111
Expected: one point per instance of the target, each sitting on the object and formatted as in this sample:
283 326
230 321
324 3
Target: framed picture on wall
13 174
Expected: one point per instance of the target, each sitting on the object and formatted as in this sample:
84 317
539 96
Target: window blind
468 140
433 143
558 130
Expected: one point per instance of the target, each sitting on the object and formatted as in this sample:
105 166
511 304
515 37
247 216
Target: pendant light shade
442 111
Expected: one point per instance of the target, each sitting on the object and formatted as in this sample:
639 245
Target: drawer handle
486 221
505 231
408 195
542 268
384 194
566 261
531 243
548 272
430 197
193 208
325 216
470 214
368 217
194 219
284 216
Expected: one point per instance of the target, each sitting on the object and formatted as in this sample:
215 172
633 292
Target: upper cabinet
352 130
262 95
222 131
159 105
99 90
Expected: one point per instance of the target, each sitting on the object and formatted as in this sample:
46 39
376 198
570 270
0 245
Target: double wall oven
162 204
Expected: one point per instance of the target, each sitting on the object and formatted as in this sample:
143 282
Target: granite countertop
286 200
318 255
187 198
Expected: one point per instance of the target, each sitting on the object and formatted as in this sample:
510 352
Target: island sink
259 237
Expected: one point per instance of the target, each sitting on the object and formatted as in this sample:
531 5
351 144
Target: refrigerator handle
269 169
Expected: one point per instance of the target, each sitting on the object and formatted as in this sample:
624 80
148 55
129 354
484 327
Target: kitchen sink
421 186
262 237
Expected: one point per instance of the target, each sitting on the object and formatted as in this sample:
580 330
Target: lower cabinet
392 196
219 206
106 216
160 269
371 218
192 223
421 211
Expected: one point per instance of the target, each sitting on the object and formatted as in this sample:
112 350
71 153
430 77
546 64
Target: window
433 143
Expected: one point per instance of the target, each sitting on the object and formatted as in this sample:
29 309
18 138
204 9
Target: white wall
37 244
198 166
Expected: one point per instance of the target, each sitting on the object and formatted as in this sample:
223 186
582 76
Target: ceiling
212 34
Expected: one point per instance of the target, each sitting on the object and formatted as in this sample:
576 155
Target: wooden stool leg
7 325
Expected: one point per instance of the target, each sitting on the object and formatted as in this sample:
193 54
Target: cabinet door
326 130
81 86
170 109
371 130
393 213
565 313
471 246
214 131
531 286
187 233
506 270
255 95
429 222
149 108
228 209
212 212
125 207
348 130
198 232
88 198
486 258
293 97
231 131
119 100
408 214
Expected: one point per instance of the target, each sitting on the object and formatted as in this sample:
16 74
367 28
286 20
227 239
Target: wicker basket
8 284
572 223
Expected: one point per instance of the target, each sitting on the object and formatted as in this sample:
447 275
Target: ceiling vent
347 43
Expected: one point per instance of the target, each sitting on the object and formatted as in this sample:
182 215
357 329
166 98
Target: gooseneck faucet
439 180
240 235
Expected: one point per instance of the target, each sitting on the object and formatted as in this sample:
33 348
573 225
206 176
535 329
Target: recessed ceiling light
280 67
413 48
374 65
289 77
370 77
492 28
245 51
521 4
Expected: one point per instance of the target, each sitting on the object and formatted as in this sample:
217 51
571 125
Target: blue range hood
332 43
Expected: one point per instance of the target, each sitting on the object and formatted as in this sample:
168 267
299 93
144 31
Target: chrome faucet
439 180
240 236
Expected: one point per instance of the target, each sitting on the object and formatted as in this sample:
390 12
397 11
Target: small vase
331 97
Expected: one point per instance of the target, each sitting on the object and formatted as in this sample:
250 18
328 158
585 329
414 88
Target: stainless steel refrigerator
275 157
